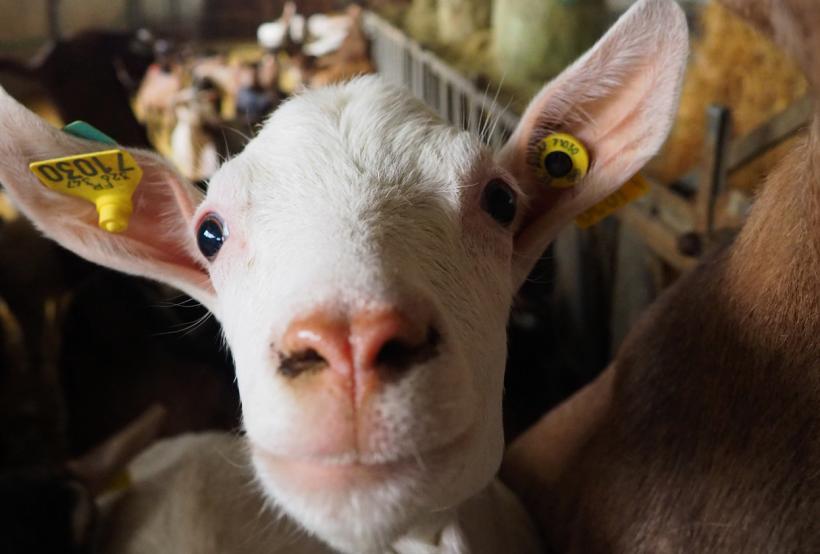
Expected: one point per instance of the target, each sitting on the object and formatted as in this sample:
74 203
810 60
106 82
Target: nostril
304 361
397 354
377 343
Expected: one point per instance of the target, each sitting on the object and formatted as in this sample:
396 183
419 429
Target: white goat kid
361 256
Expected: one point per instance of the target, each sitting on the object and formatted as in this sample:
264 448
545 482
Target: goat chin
201 493
366 507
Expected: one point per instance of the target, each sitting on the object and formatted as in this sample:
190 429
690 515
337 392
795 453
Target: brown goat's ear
158 243
98 468
619 99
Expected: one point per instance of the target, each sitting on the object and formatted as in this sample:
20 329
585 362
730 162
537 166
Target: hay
734 65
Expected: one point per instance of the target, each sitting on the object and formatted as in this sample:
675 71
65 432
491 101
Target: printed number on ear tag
633 189
563 160
107 179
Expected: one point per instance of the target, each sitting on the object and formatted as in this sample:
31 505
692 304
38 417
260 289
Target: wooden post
713 175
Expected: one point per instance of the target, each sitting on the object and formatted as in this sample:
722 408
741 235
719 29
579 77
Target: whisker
495 106
185 303
187 328
247 138
484 122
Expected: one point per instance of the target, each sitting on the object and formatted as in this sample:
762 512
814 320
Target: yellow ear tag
633 189
563 159
107 179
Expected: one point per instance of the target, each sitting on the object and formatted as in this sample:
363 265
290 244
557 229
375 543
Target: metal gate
401 60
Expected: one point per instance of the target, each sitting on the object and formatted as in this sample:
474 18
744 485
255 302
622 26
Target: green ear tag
85 130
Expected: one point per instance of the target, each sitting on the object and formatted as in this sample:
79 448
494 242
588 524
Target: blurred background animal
73 70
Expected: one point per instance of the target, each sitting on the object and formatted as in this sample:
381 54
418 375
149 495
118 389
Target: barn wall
23 26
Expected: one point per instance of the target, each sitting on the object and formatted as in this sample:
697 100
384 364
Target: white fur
272 35
328 32
198 493
351 198
363 192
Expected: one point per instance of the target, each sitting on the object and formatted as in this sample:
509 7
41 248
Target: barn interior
86 350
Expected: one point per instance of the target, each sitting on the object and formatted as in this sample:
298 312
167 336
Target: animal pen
91 347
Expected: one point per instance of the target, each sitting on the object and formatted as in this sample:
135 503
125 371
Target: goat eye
211 235
498 200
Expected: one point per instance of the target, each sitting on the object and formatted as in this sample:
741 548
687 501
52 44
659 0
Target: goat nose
314 343
384 342
391 343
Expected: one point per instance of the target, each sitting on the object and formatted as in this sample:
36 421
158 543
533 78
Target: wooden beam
660 238
672 208
770 134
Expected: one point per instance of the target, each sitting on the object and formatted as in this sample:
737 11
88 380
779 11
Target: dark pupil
210 237
558 164
499 201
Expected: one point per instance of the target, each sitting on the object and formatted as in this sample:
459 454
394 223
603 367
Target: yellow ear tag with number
633 189
107 179
563 159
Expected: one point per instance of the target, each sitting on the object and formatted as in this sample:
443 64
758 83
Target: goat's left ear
159 242
619 99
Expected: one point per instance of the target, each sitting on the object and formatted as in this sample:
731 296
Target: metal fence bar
401 60
458 108
443 99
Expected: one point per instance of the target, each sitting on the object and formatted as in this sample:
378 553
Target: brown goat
704 436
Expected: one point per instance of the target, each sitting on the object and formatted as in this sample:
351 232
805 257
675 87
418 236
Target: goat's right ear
159 242
620 100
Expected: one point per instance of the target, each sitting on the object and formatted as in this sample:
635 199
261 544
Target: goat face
361 257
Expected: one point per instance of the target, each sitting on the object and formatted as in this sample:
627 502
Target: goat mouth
350 470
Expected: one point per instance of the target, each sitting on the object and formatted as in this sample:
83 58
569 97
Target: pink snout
366 400
366 349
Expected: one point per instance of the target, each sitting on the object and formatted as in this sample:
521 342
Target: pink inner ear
158 242
163 208
624 125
